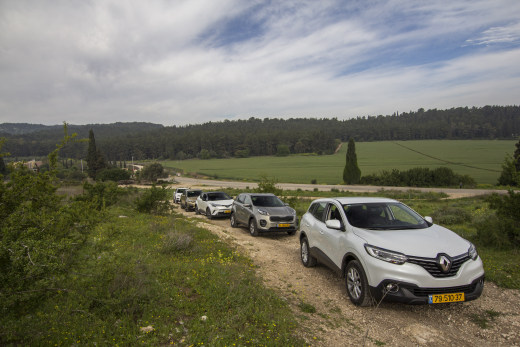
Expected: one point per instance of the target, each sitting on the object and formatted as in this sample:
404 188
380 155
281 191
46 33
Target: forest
269 136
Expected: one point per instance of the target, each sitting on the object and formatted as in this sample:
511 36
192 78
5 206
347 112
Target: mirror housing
428 219
333 224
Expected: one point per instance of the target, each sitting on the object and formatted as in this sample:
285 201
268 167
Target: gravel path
337 322
216 184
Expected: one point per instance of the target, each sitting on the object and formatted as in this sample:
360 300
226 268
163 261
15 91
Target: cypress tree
351 173
3 168
516 156
95 159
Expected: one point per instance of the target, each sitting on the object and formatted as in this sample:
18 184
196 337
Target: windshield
383 216
181 190
192 193
266 201
218 196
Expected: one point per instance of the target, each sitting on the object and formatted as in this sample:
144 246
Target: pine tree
516 156
3 168
351 173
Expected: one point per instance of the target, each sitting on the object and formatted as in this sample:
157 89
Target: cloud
195 61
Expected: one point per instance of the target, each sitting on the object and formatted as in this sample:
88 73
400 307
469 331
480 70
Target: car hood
277 211
426 242
221 202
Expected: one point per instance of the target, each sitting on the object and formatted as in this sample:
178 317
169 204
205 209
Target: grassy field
155 281
484 156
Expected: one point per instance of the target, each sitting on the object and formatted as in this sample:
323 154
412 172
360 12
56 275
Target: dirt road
216 184
337 322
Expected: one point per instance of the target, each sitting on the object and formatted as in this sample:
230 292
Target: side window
333 213
319 210
240 198
247 200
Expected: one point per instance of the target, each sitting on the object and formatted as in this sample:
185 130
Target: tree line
271 136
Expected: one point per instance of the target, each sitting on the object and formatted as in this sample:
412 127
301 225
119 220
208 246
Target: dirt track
337 322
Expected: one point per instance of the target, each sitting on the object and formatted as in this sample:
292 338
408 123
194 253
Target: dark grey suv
263 212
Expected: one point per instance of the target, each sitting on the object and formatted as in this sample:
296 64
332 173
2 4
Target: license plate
444 298
284 225
227 211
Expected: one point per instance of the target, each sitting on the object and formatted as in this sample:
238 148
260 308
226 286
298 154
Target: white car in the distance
214 204
385 250
177 195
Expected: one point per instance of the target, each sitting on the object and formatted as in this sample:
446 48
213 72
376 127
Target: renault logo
444 263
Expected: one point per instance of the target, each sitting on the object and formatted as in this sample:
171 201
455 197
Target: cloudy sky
192 61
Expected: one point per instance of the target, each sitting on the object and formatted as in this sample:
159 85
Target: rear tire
292 232
307 259
253 230
357 284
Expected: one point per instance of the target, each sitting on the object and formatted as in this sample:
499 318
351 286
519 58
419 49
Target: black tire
208 213
292 232
233 221
253 229
357 284
197 211
307 259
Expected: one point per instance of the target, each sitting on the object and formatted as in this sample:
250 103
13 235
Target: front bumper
265 223
221 211
410 293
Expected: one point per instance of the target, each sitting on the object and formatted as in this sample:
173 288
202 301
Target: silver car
263 212
385 250
188 198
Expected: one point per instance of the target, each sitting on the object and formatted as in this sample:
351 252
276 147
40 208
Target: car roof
260 194
358 200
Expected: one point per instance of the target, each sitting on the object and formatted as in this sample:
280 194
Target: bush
451 215
153 172
419 177
101 194
154 200
501 230
114 174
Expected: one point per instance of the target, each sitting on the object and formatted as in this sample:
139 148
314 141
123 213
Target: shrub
101 194
502 229
154 200
175 242
114 174
451 215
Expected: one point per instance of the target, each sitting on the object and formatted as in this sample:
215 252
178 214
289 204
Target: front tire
307 259
208 213
357 284
233 221
253 230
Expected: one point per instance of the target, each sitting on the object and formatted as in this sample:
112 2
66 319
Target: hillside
271 136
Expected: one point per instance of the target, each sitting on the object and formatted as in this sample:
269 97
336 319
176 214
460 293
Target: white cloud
168 62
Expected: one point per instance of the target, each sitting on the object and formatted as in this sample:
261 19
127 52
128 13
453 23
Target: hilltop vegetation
271 136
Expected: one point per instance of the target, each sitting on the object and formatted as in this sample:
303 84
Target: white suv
387 251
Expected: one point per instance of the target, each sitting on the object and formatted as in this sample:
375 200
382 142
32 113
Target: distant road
452 192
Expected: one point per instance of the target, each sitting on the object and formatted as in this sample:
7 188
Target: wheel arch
347 258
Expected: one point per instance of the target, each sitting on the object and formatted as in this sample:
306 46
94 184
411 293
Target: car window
319 210
241 198
218 196
333 213
247 200
383 216
266 201
192 193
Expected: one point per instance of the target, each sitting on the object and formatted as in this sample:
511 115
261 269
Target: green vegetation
483 160
351 172
420 177
143 279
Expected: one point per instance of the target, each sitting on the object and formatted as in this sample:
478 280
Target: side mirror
247 205
428 219
333 224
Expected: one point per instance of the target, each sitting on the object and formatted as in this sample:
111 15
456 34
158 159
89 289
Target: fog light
392 288
263 223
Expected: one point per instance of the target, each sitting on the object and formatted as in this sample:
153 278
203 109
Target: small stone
203 318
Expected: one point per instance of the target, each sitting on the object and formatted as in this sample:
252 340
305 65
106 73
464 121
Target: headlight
386 255
263 212
472 252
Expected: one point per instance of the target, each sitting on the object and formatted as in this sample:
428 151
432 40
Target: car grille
470 288
281 218
430 265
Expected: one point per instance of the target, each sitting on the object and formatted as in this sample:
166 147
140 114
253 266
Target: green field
485 157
